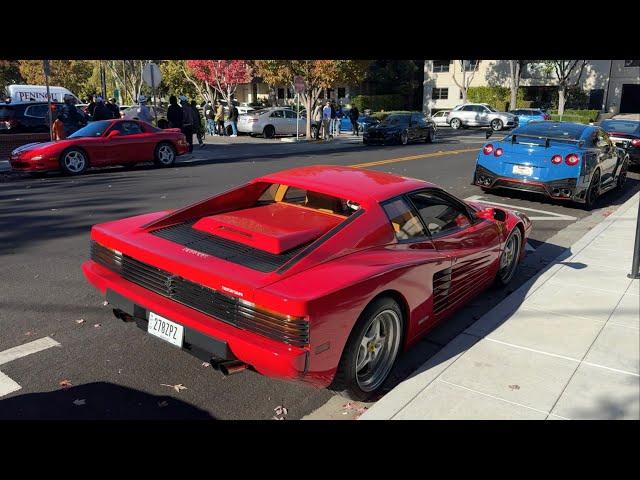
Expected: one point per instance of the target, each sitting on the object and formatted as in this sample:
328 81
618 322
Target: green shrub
498 97
581 116
379 102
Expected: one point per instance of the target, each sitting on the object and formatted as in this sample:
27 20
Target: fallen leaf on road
79 402
97 325
280 410
65 384
54 209
28 334
277 418
163 404
80 321
119 370
205 364
163 196
177 387
105 303
514 387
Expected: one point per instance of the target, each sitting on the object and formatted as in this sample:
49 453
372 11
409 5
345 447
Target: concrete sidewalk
565 345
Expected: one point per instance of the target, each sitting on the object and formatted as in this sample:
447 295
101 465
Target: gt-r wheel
371 351
165 155
404 137
622 176
593 192
455 123
509 258
74 161
496 125
269 132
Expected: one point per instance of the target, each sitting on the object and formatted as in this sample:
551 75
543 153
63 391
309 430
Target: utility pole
45 64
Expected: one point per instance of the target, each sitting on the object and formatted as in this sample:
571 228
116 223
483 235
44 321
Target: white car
440 118
271 122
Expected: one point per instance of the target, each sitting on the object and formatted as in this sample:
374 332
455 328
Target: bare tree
564 69
467 77
515 69
128 76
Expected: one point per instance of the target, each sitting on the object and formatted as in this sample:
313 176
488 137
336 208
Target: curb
422 377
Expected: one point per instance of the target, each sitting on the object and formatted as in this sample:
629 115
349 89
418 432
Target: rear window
309 199
621 126
568 131
6 112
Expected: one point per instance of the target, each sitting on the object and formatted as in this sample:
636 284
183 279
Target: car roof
357 184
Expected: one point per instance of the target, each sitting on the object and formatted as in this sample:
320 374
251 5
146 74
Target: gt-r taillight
498 152
635 142
556 159
488 149
572 159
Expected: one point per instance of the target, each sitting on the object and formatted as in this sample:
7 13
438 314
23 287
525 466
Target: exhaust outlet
125 317
231 367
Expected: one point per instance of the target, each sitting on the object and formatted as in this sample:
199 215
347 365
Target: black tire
430 136
365 142
455 123
404 137
347 382
496 125
511 256
622 176
269 131
74 161
164 155
593 192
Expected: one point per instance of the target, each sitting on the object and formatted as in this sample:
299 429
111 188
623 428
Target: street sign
299 84
151 75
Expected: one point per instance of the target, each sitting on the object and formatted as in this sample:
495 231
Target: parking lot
87 364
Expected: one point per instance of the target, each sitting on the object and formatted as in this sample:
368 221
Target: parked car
625 133
401 128
480 115
364 122
102 143
440 118
131 113
271 122
27 117
561 160
526 115
320 274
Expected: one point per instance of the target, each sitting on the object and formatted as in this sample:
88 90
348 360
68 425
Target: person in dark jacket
91 106
174 113
332 124
71 118
188 121
198 127
209 115
101 112
113 108
233 118
354 114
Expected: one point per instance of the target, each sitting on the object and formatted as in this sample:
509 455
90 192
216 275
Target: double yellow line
413 157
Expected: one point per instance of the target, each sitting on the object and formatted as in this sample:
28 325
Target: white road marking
7 385
548 215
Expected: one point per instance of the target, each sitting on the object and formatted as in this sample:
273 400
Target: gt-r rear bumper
561 189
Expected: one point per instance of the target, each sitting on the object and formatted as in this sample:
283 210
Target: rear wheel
622 176
509 258
404 137
593 192
455 123
496 125
371 350
165 155
430 136
269 132
74 161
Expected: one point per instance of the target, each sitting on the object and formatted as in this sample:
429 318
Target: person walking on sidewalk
198 127
332 127
70 117
174 113
233 118
188 121
317 119
354 114
113 108
91 105
210 115
326 120
219 118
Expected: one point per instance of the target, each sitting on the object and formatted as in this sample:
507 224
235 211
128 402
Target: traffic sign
299 84
151 75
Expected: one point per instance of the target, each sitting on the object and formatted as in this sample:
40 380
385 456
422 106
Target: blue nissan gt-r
526 115
564 161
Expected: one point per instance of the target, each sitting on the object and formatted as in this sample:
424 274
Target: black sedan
25 117
401 128
625 134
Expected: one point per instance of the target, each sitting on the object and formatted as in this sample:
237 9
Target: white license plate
522 170
165 329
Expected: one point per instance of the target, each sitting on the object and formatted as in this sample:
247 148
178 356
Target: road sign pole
45 65
635 263
298 118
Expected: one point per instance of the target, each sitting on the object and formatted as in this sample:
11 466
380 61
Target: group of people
98 109
215 119
329 116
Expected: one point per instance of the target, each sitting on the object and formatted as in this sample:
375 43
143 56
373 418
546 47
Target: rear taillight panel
635 142
487 149
556 159
572 159
498 152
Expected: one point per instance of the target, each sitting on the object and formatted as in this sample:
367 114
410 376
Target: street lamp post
46 68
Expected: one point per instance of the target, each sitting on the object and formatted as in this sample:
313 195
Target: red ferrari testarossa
321 274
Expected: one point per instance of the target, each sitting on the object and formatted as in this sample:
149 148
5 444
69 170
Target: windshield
621 126
94 129
568 131
396 119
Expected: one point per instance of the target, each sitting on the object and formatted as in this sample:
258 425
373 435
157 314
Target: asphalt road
115 370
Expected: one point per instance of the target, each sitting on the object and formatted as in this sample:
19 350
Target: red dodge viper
321 274
102 143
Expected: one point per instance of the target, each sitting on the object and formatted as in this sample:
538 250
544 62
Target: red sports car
321 274
102 143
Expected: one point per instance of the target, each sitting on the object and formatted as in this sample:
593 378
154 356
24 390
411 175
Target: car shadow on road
98 401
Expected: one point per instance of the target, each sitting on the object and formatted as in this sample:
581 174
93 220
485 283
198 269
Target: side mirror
113 133
488 134
499 215
490 213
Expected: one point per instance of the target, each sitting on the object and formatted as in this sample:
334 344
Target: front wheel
74 161
371 351
496 125
165 155
622 176
269 132
404 137
455 123
509 258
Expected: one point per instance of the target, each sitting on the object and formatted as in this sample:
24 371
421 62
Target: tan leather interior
324 203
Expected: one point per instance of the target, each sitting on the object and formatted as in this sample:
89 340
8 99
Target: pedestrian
144 113
326 120
188 121
209 115
233 118
101 112
198 127
332 127
91 106
317 120
58 130
354 114
174 113
219 118
113 108
339 116
69 115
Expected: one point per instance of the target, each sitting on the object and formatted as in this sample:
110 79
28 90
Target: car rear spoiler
547 139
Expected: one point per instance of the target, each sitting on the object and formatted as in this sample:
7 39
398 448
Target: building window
280 93
441 65
342 92
440 94
289 93
470 65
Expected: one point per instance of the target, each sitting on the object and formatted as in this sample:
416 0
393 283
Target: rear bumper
561 189
202 332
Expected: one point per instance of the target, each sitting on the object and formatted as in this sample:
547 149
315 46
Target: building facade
612 85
